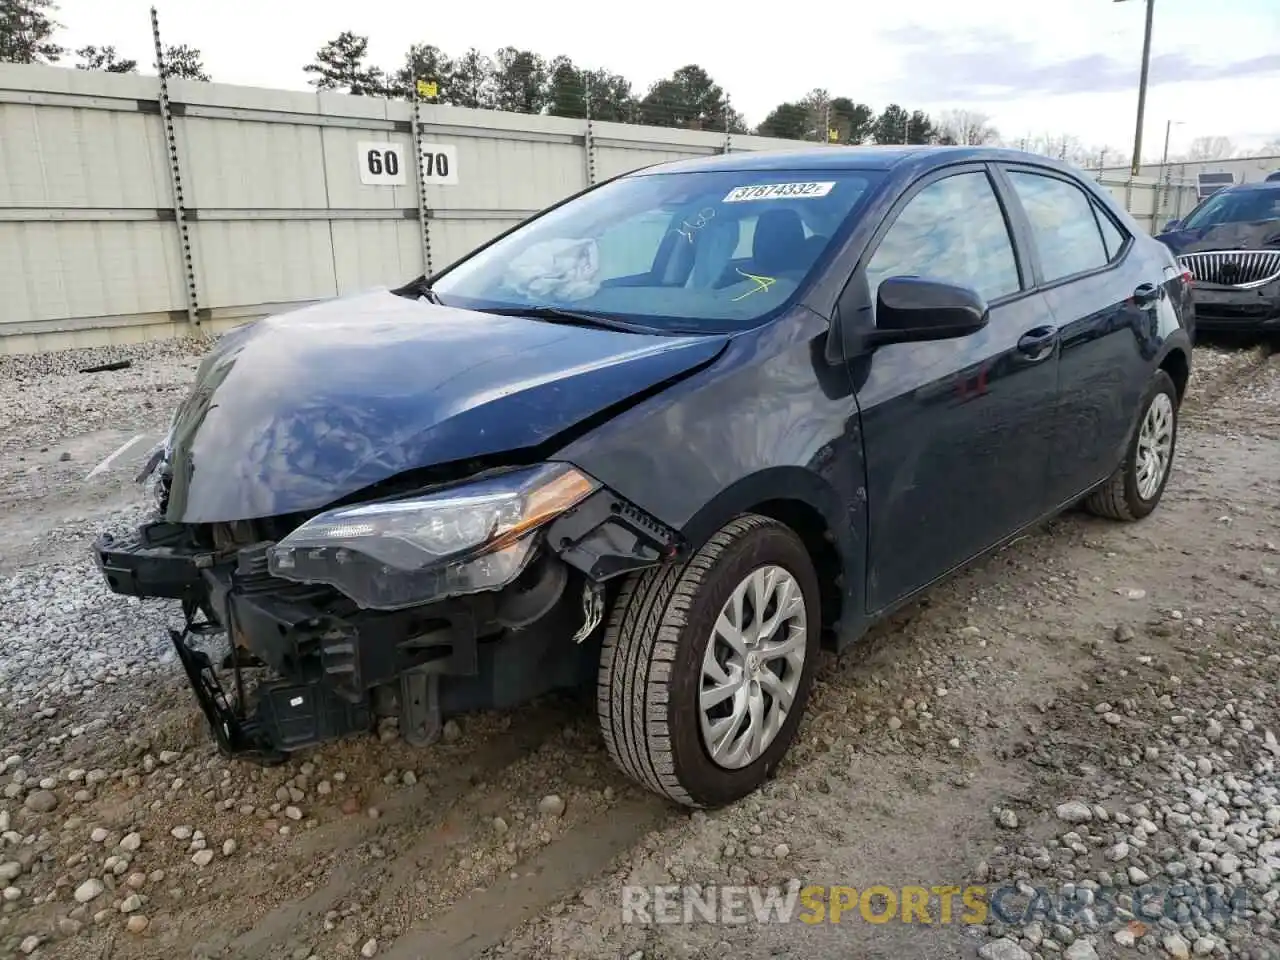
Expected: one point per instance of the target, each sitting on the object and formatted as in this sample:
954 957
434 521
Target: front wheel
1135 488
706 668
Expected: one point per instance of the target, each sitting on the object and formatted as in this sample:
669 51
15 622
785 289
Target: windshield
1235 206
707 251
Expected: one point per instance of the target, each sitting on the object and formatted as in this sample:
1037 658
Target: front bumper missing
324 657
235 734
327 656
288 715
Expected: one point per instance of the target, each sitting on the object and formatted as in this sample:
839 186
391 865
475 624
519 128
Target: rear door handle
1145 294
1038 342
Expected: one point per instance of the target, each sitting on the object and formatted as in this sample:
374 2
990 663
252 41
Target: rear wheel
1135 489
706 668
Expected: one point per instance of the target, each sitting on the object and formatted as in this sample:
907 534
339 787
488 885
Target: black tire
651 663
1118 498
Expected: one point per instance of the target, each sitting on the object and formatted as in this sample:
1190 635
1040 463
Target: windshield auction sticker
779 191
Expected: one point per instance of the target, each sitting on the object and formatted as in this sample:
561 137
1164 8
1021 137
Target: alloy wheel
752 666
1155 446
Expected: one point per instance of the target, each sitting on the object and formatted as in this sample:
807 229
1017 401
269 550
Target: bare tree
967 127
1071 149
1109 156
1269 149
1211 148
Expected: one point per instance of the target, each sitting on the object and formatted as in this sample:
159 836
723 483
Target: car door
1104 306
956 432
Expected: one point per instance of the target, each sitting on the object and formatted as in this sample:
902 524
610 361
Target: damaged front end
456 597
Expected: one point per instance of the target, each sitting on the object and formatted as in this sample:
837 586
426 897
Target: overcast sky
1036 66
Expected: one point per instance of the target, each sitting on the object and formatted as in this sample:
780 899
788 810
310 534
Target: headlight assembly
463 539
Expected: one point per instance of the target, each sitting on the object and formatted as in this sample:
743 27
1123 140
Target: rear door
956 432
1104 304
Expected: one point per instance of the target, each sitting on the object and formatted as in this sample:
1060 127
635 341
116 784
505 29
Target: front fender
769 422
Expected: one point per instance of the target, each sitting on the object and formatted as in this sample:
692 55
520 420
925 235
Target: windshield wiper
429 295
557 315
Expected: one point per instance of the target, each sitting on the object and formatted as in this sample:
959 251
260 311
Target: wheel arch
1177 363
832 532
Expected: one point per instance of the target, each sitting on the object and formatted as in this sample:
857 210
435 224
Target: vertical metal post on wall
1162 203
175 176
1165 175
424 212
728 136
589 138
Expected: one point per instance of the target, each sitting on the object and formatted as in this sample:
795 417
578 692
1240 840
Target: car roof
852 158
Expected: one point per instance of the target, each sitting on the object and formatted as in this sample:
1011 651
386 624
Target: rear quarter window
1113 238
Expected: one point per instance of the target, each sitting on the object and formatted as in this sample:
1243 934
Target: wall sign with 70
439 163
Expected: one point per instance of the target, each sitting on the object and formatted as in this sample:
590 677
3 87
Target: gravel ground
1086 719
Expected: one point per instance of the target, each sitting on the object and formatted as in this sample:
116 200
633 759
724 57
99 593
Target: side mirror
912 309
1171 226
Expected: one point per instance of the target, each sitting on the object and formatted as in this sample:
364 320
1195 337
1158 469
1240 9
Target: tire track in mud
1204 394
482 920
1253 406
430 813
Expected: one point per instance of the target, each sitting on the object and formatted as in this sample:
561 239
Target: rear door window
1063 224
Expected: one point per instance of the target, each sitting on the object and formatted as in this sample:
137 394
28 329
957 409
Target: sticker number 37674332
779 191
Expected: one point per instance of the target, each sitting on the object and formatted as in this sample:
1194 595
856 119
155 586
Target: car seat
779 245
713 248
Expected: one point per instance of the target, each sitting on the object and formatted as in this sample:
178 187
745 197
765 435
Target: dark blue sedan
662 440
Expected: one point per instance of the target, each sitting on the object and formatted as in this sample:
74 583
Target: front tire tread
636 661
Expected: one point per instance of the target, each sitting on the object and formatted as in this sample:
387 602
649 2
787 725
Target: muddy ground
1089 712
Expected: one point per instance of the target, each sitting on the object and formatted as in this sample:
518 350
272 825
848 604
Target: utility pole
1142 87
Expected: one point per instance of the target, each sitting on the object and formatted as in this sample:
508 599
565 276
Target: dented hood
1250 235
293 412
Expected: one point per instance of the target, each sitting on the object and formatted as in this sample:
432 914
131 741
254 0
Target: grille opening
1233 268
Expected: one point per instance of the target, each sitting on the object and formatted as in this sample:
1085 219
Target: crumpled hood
293 412
1260 235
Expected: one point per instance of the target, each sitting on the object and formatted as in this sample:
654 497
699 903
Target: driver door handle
1038 343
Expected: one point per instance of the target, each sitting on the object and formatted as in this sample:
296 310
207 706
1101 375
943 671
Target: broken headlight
402 553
